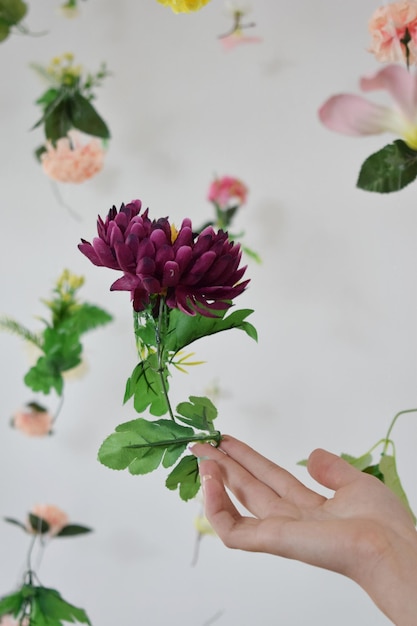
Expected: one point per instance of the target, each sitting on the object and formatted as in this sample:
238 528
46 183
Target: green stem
213 436
159 335
391 426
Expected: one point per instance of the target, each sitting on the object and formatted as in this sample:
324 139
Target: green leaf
146 386
88 317
360 462
374 471
39 525
388 468
50 609
84 117
141 446
70 530
4 30
12 11
48 97
199 412
11 604
185 476
44 376
11 520
184 329
389 169
57 121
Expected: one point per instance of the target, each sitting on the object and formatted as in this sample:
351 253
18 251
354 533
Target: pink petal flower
354 115
55 517
33 421
71 161
227 191
236 39
388 27
9 620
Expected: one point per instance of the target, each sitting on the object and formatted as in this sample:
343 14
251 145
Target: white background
334 300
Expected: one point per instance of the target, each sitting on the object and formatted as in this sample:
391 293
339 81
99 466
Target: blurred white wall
334 300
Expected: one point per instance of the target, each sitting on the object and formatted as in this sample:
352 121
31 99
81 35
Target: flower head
52 515
193 273
71 161
184 6
34 421
354 115
227 191
393 28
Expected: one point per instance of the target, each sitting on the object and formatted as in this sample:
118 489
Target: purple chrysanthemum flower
193 273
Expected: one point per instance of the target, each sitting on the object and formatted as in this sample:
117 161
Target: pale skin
362 531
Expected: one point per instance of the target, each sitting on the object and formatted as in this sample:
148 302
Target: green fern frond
10 325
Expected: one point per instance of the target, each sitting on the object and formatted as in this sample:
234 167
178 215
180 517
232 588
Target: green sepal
199 412
185 476
141 446
388 468
71 530
84 117
185 329
146 387
390 169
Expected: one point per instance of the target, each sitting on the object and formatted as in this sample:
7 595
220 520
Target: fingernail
204 479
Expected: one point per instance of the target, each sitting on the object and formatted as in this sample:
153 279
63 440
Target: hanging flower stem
391 426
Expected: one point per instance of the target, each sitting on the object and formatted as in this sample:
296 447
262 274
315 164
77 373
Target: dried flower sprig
60 341
181 284
67 103
33 603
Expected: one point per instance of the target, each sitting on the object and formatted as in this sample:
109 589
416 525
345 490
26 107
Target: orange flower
393 29
34 421
52 515
71 161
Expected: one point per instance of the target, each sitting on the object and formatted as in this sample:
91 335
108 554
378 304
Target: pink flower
52 515
34 421
393 29
71 161
9 620
227 191
237 38
354 115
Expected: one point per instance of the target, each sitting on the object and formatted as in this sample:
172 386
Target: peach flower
51 514
33 421
393 28
71 161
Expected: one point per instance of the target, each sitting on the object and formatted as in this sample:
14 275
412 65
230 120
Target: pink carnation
71 161
390 26
227 191
33 421
51 514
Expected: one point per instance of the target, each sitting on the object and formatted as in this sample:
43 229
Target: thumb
331 470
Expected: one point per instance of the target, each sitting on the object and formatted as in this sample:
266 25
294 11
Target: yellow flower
184 6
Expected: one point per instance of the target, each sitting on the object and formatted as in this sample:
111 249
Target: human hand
363 531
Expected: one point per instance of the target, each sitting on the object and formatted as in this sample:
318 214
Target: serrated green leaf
71 530
389 169
84 117
199 412
141 446
147 388
43 377
185 329
388 468
87 317
11 604
360 462
185 476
